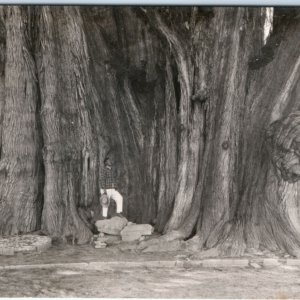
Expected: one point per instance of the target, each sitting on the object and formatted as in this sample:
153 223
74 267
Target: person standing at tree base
108 188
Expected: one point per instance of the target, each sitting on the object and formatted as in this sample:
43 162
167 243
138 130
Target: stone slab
24 243
293 262
111 226
134 232
271 262
144 229
131 237
28 248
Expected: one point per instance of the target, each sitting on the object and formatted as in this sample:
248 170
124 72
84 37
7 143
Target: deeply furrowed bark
131 99
226 108
189 101
261 217
189 141
63 83
208 108
168 155
20 165
2 68
229 200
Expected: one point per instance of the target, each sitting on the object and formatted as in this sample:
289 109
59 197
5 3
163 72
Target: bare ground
281 282
142 282
82 253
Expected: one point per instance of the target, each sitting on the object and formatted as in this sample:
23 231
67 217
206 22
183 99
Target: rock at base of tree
165 246
24 243
100 245
135 231
109 239
132 236
24 248
111 226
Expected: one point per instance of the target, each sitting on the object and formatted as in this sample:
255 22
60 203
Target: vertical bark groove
20 166
203 128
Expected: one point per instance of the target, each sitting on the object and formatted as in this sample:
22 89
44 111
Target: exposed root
274 233
234 244
172 239
173 235
278 226
219 233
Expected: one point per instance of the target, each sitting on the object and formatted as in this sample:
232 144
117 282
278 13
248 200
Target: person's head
108 161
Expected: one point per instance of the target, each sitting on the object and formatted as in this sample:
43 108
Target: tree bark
202 125
20 165
129 79
258 217
236 116
67 133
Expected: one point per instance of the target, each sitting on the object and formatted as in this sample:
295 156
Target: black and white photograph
149 151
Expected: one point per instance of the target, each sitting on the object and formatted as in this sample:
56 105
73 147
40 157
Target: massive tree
197 105
20 163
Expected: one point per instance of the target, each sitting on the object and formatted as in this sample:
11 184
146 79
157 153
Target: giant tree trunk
70 154
257 214
20 165
201 123
128 77
239 202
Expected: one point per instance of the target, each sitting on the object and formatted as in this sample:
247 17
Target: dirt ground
83 253
281 282
142 282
